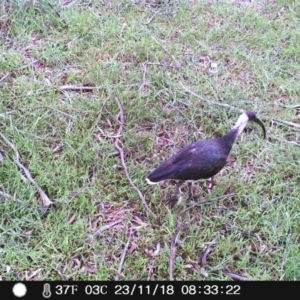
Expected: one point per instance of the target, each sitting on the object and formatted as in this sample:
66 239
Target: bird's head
244 119
253 118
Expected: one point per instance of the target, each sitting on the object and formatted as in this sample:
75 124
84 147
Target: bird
200 160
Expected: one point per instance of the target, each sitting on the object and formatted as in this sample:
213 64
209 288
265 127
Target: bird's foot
171 201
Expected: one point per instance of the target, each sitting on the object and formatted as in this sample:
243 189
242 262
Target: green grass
147 53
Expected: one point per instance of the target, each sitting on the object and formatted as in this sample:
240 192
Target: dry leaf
156 252
1 158
133 246
149 252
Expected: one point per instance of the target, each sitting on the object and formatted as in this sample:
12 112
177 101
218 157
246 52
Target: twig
210 101
236 276
56 110
144 75
158 64
68 4
173 246
291 74
247 235
150 19
57 13
116 144
11 112
208 249
178 228
107 226
175 60
150 272
78 88
236 109
286 141
287 123
123 256
284 257
45 198
4 77
206 201
5 196
28 65
290 106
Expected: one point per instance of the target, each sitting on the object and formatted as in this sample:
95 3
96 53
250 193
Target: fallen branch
144 84
210 101
123 256
173 246
247 235
286 141
151 18
167 51
284 257
290 73
178 229
286 123
8 113
21 68
4 77
28 65
5 196
208 249
121 152
278 121
106 227
236 276
76 88
206 201
45 198
290 106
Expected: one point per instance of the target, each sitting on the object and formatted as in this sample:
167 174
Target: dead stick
45 198
167 51
287 123
144 75
206 201
123 256
278 121
210 101
208 249
4 77
284 257
173 246
78 88
5 196
123 160
236 276
178 228
106 227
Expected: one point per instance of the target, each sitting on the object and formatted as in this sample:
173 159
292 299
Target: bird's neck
231 136
238 127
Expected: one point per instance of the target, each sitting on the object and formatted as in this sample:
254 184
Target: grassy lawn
63 64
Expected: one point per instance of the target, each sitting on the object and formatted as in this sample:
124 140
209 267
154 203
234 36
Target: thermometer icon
46 291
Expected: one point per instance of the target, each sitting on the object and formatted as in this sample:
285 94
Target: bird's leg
173 200
190 190
191 195
210 183
213 181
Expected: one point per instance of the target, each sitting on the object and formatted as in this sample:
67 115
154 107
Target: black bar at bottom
103 289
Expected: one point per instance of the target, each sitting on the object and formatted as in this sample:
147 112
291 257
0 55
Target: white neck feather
241 123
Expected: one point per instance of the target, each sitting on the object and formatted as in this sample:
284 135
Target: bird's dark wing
197 161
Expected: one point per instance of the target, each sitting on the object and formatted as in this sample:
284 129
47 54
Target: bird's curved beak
258 121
